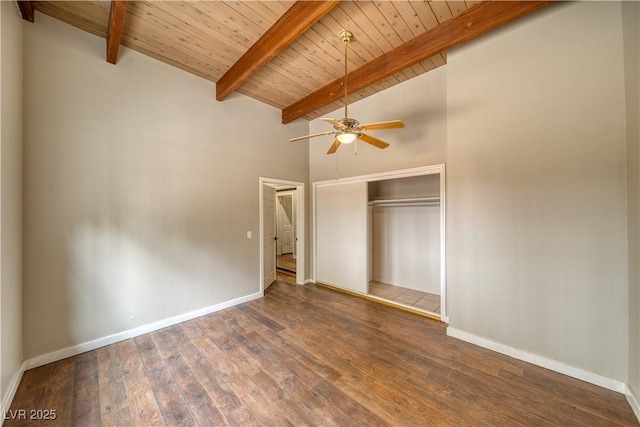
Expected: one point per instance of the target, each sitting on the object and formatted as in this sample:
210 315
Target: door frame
300 227
403 173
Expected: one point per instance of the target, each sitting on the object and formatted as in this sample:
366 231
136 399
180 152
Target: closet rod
406 202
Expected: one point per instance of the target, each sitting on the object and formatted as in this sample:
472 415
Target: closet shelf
403 202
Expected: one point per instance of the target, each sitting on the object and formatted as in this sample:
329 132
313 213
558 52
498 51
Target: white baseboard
74 350
538 360
310 281
11 392
633 401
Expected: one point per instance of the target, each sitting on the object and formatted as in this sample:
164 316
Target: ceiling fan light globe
346 138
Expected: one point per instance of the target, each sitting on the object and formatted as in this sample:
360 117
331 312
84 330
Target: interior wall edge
11 392
11 196
632 400
631 44
74 350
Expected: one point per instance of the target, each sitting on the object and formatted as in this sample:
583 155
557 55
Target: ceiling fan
348 130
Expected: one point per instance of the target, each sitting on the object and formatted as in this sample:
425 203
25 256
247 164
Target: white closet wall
406 246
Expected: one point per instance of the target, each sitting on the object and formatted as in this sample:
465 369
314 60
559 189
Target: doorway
284 248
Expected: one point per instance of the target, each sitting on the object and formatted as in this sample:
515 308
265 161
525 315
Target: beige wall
139 189
536 215
631 22
419 102
10 196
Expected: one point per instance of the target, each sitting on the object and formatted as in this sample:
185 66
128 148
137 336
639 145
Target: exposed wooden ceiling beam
116 26
26 10
295 21
477 20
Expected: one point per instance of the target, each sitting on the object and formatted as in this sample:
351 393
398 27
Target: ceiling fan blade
373 141
393 124
334 147
310 136
334 122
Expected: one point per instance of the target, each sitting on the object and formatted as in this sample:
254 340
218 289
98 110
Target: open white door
286 240
269 235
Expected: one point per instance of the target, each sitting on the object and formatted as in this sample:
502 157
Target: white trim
54 356
314 235
380 176
11 392
633 401
300 227
443 245
538 360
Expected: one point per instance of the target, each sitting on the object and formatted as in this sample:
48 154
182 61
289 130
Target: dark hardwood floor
306 355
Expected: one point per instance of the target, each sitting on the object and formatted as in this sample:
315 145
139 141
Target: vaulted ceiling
284 53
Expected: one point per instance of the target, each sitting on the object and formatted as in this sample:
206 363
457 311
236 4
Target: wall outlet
249 235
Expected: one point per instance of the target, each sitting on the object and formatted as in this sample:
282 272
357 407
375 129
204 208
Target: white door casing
298 189
269 234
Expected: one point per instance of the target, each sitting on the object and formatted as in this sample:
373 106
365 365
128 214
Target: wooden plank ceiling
297 61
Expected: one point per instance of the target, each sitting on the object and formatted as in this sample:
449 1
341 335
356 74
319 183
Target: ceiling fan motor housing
349 125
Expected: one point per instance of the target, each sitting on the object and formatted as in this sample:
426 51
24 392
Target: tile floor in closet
410 297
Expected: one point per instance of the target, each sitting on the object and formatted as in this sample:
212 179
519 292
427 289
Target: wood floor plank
143 407
316 402
168 396
30 395
86 391
196 398
222 397
235 411
309 356
237 366
292 408
114 403
59 392
352 408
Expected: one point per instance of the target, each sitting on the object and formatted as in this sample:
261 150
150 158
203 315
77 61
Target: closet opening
382 236
405 241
